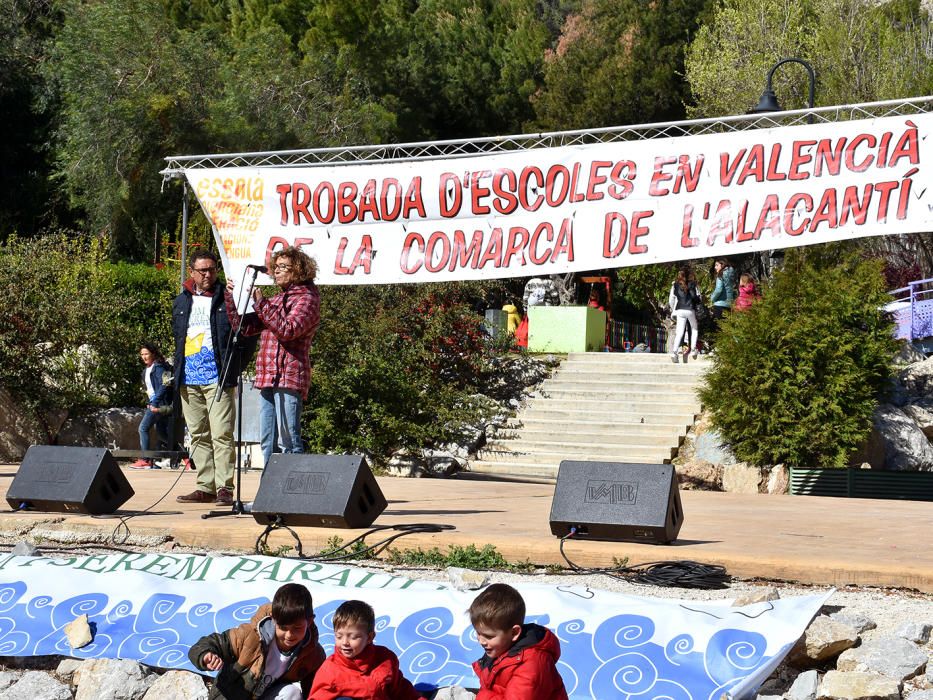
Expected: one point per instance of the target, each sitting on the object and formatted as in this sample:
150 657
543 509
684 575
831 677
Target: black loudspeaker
69 480
318 491
617 501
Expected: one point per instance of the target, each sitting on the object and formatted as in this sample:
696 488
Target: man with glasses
202 331
286 324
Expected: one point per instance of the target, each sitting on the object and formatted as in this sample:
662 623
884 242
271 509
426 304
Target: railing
625 335
912 310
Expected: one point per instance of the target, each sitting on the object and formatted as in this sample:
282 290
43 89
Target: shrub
143 313
71 331
796 378
394 366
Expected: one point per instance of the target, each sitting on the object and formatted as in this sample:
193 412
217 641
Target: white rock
7 678
741 478
805 686
823 640
112 679
177 685
78 632
37 685
917 632
25 549
67 667
906 448
894 657
466 579
838 685
858 622
760 596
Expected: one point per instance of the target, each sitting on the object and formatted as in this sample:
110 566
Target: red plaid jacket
286 324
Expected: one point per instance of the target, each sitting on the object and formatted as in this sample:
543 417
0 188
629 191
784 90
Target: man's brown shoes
197 497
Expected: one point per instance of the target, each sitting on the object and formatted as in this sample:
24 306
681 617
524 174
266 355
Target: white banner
577 208
153 607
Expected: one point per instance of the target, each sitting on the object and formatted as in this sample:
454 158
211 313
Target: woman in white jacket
684 300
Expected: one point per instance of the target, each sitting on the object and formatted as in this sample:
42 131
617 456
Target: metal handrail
913 294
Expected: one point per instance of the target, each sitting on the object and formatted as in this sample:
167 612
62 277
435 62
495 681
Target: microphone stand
233 346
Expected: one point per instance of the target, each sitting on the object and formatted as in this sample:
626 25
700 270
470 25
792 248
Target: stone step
636 400
638 361
662 374
517 470
560 412
499 451
577 429
687 389
516 462
632 411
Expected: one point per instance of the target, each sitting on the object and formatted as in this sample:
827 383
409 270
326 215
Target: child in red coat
520 662
748 293
358 668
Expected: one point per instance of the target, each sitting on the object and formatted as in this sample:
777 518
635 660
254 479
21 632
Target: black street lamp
768 101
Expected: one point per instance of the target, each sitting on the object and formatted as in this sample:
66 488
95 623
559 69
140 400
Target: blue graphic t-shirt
200 365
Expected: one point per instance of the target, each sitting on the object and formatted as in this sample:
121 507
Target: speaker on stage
617 501
69 480
318 491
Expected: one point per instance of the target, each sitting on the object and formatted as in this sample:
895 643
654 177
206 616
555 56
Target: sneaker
675 358
141 464
189 465
224 497
163 463
696 354
197 497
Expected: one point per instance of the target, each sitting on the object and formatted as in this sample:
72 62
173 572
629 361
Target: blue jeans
279 422
160 422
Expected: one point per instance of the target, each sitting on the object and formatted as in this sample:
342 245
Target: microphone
258 268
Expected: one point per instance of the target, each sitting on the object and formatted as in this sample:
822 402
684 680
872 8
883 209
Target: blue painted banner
153 607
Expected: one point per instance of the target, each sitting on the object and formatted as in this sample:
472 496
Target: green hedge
796 378
71 329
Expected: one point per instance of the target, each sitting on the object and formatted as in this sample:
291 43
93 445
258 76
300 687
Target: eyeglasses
204 270
283 268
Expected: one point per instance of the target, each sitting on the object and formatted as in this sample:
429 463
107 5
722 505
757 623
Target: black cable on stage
125 518
679 574
344 552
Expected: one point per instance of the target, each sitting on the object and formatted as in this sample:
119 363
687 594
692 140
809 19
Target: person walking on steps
202 332
723 296
684 300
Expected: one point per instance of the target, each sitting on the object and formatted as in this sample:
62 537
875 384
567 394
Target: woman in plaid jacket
286 324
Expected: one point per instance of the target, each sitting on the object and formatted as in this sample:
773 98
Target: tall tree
27 197
861 51
446 68
136 87
618 62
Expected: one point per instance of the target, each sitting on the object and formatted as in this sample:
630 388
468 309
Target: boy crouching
272 657
520 662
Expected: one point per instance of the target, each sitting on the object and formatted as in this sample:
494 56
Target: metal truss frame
464 148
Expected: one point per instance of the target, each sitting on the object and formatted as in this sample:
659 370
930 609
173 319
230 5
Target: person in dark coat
202 333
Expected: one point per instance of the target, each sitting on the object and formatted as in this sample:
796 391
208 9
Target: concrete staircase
616 407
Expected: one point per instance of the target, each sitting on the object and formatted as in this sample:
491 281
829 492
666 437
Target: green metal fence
862 483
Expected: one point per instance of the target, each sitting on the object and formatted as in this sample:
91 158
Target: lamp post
768 101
